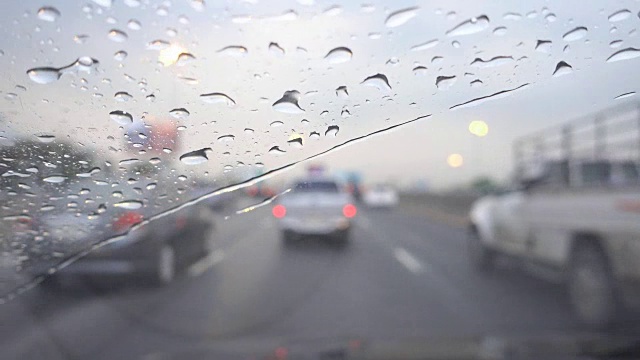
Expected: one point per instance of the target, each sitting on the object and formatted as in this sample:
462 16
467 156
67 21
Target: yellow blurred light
294 135
455 160
479 128
170 55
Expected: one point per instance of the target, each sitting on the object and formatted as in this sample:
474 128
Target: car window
317 186
147 149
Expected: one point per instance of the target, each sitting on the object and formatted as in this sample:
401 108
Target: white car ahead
315 206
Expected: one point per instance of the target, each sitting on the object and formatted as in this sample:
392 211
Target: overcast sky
77 106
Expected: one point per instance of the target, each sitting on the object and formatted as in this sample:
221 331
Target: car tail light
279 211
127 220
181 222
349 210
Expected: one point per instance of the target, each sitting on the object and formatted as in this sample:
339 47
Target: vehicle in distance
381 196
315 206
578 221
155 252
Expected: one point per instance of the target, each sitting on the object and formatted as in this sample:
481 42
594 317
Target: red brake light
349 210
279 211
127 220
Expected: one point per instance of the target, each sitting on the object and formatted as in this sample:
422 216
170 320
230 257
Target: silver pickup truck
577 222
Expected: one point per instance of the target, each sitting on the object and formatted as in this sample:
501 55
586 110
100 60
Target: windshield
148 149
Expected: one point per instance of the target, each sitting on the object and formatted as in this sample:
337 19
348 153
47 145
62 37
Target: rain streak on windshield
116 114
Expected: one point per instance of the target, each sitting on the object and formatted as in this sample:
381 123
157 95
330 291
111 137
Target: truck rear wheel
481 257
591 287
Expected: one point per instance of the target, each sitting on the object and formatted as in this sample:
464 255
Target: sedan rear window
317 186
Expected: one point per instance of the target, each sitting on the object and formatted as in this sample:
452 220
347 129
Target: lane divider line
204 264
407 260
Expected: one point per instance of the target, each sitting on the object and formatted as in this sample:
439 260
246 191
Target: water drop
234 50
368 8
551 17
379 81
339 55
46 138
120 55
625 95
275 150
226 138
314 135
443 82
420 70
104 3
543 46
129 204
151 186
471 26
332 10
476 83
619 15
437 60
288 103
217 98
295 143
47 207
195 157
625 54
54 179
151 98
342 92
158 45
615 44
134 24
117 35
197 5
248 131
122 96
374 35
121 117
276 123
424 46
162 11
44 75
125 162
155 161
500 31
400 17
179 113
493 62
184 58
48 13
575 34
332 131
275 49
562 68
512 16
455 44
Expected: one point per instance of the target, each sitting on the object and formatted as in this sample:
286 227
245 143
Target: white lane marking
407 260
199 267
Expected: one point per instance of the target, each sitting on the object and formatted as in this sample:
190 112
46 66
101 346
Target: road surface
403 275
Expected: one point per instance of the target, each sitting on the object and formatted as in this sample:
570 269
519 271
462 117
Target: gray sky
72 108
